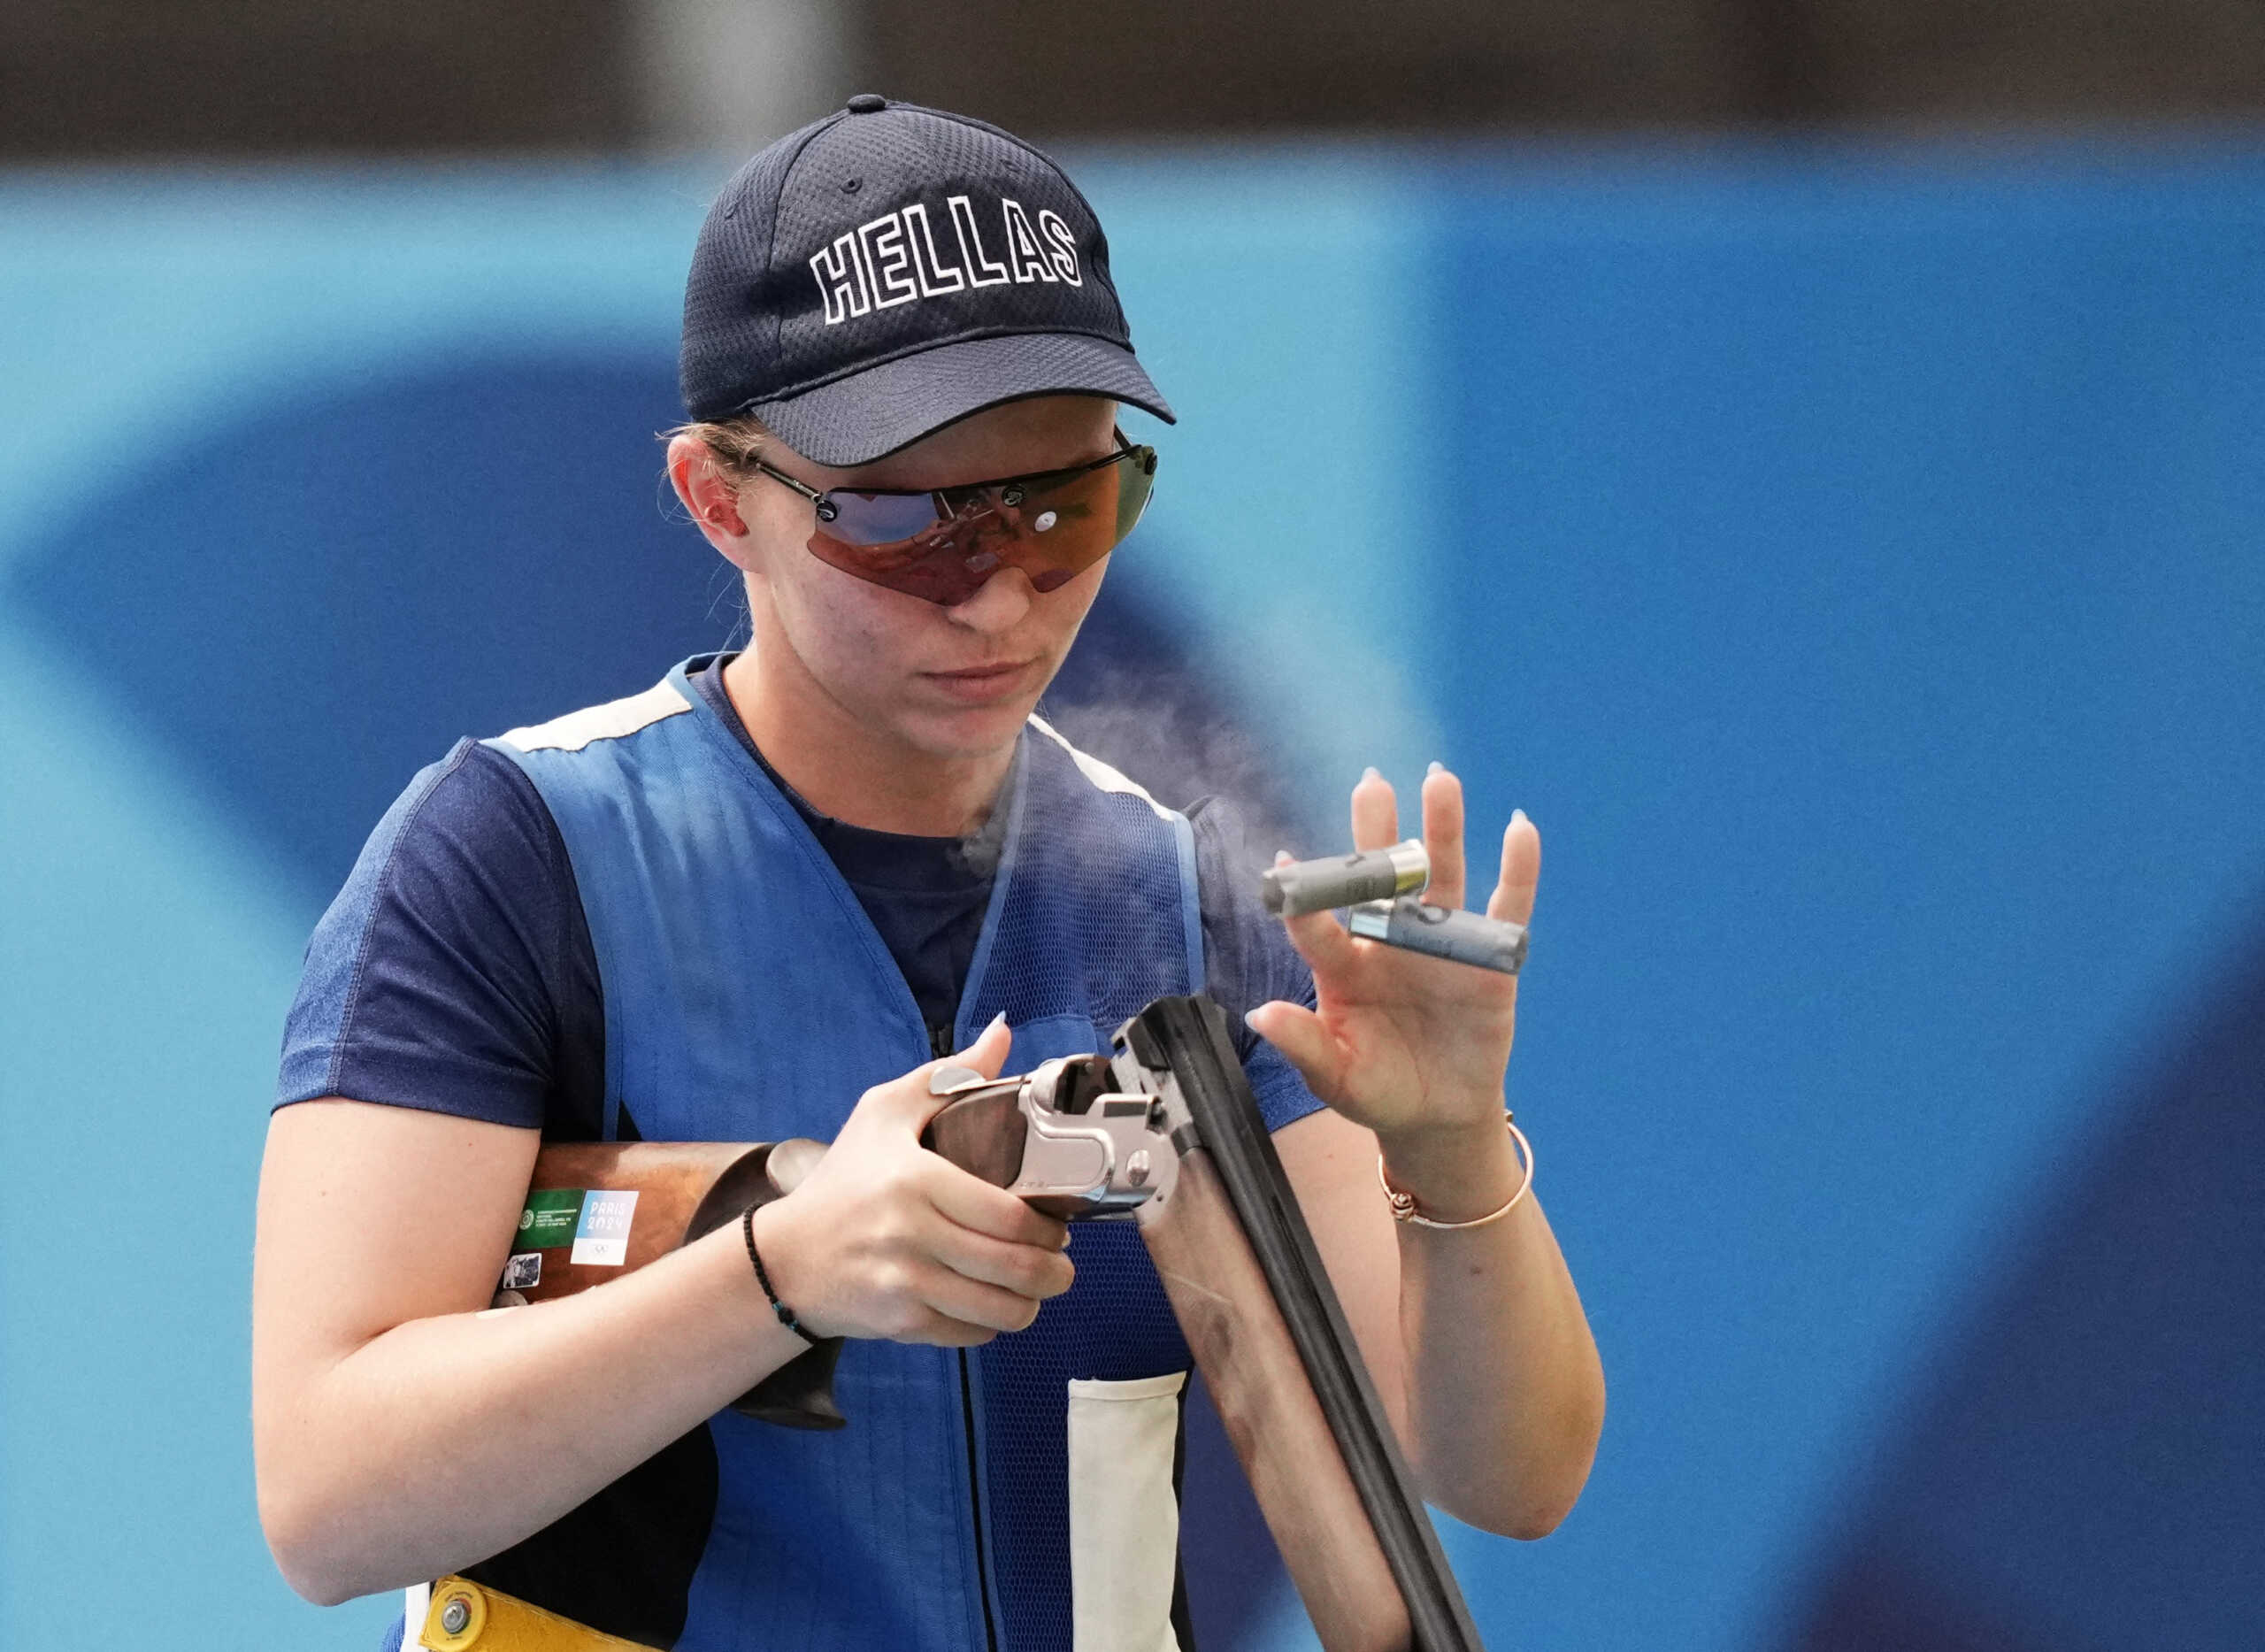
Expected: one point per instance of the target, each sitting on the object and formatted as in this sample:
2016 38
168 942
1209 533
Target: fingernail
1250 1020
1437 767
1281 857
999 1019
1518 817
1369 773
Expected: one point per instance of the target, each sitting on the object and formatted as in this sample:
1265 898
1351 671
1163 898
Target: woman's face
955 683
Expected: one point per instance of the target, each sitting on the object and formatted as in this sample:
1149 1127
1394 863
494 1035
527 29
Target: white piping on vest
1099 772
611 721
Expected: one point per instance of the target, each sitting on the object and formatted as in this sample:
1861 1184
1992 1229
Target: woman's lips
981 684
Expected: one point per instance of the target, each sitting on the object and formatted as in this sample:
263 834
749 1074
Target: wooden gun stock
983 1135
682 1190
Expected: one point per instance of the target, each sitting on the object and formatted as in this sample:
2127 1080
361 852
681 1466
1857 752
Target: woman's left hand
1408 1046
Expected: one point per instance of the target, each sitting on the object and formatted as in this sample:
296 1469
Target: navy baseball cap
889 269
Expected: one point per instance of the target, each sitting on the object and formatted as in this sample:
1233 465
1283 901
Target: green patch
550 1217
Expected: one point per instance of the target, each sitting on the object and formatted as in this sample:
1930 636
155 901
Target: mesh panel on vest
1110 935
1114 1323
1114 940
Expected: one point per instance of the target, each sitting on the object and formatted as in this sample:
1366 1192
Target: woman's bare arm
1476 1336
401 1432
1476 1340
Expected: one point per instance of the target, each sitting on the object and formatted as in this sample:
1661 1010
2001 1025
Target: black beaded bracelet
786 1314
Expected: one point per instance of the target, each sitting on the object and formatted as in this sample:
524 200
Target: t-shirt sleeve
452 973
1247 957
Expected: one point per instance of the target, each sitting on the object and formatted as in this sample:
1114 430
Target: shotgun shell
1322 886
1487 943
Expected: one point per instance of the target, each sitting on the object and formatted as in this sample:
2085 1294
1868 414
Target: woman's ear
710 497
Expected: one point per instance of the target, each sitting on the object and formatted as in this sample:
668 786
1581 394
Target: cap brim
871 414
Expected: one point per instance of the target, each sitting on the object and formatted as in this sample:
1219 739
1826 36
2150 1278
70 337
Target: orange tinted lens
1063 527
946 564
1053 528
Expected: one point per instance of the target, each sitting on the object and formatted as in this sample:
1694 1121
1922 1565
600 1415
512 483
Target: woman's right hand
887 1239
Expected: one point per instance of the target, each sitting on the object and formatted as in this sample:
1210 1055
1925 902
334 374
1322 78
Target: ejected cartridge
1323 886
1459 936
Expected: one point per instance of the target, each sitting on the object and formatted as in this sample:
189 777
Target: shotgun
1163 1132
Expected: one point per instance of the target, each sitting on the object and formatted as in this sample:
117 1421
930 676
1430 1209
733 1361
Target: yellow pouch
464 1615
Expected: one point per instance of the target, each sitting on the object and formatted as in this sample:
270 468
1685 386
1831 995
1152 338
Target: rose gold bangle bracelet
1404 1204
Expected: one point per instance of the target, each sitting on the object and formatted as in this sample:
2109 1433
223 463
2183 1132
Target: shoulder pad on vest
1099 773
611 721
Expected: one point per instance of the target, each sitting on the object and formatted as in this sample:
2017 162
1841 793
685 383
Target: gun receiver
1061 1137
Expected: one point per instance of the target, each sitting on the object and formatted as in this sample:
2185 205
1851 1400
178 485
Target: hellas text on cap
893 259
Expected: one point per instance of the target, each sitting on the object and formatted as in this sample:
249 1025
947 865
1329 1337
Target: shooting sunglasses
941 545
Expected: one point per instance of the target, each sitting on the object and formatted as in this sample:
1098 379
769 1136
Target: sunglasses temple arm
799 486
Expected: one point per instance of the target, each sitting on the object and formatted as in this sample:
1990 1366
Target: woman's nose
998 603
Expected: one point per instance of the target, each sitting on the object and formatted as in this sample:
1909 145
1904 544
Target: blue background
1849 554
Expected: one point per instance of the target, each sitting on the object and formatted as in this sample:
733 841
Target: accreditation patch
601 1236
549 1219
523 1271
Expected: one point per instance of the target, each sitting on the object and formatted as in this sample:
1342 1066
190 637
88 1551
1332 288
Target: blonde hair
734 443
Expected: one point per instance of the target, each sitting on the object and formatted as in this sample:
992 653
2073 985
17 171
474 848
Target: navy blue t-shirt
471 986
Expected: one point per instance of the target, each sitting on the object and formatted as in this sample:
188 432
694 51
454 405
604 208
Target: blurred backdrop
1803 451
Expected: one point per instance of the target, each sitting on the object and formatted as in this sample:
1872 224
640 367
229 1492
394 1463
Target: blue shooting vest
749 998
